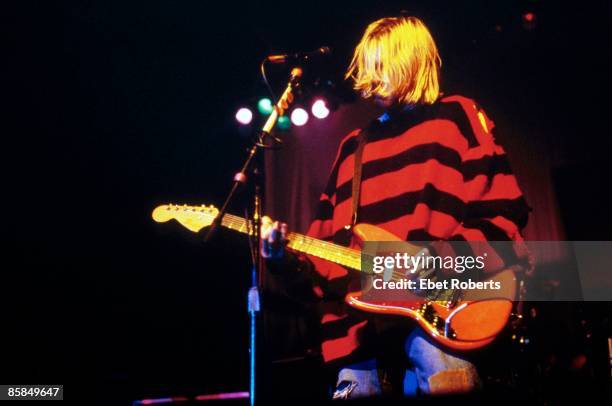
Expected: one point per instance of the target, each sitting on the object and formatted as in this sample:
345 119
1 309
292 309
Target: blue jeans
434 371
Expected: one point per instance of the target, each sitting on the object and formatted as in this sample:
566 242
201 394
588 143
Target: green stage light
265 106
283 123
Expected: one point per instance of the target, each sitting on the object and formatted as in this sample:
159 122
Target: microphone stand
255 225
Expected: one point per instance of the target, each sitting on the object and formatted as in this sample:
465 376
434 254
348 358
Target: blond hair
398 58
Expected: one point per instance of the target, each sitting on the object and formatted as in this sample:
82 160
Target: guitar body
472 322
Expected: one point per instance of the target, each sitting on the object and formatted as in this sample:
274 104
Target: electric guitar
470 322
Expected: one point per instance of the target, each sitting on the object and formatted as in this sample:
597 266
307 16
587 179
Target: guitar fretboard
302 243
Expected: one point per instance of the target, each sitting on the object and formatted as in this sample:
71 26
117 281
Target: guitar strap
361 138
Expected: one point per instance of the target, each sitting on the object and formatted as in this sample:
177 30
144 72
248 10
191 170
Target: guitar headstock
194 218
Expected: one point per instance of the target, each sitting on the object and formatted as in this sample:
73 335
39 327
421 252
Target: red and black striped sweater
433 172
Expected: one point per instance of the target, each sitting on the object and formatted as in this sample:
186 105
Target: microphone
299 56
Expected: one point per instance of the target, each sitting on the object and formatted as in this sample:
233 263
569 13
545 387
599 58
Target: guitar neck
338 254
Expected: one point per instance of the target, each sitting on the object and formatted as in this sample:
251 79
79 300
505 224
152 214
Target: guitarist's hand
273 239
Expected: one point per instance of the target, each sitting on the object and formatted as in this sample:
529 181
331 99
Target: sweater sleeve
495 209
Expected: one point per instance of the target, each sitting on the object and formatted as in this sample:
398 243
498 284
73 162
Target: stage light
283 123
299 116
319 109
244 116
529 21
265 106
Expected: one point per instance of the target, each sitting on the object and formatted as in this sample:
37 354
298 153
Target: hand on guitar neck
273 239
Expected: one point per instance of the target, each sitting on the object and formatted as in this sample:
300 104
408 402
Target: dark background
111 108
